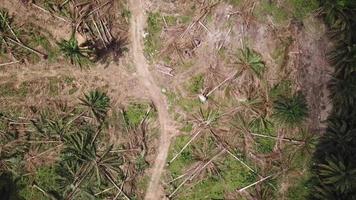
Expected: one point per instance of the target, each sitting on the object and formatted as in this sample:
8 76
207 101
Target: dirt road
138 22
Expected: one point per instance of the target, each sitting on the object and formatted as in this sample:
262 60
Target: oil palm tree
338 173
339 136
9 187
98 102
87 162
78 55
343 58
290 111
339 16
342 91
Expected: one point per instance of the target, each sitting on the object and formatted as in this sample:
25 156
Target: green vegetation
71 50
290 111
282 11
196 84
135 113
333 171
251 61
98 103
186 104
278 13
302 8
154 28
235 2
20 42
177 167
62 154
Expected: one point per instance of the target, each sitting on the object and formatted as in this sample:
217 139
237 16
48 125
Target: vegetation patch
196 84
135 113
152 39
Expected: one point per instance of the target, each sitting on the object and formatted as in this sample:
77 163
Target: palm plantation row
334 167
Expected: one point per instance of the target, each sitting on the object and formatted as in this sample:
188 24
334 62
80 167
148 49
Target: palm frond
290 111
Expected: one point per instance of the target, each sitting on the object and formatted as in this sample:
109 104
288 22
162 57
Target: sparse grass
152 40
188 127
185 159
283 88
45 178
300 187
134 113
187 64
278 13
54 86
233 176
302 8
38 40
280 54
264 145
235 2
196 84
187 104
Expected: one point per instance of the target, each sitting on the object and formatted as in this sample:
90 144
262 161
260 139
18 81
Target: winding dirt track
138 22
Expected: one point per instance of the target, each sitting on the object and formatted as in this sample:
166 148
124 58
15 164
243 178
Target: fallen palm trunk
185 146
195 173
44 56
9 63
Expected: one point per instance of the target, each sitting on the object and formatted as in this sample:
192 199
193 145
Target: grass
196 84
54 86
188 127
152 40
300 187
185 159
233 176
279 14
38 40
235 2
9 89
45 177
264 145
302 8
134 113
283 88
187 104
175 20
280 54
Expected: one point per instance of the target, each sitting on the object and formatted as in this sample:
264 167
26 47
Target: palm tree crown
98 102
290 111
76 54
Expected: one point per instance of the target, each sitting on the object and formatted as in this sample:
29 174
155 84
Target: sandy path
138 22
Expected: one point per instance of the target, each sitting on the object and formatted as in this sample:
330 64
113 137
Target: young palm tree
251 61
290 111
98 102
77 55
